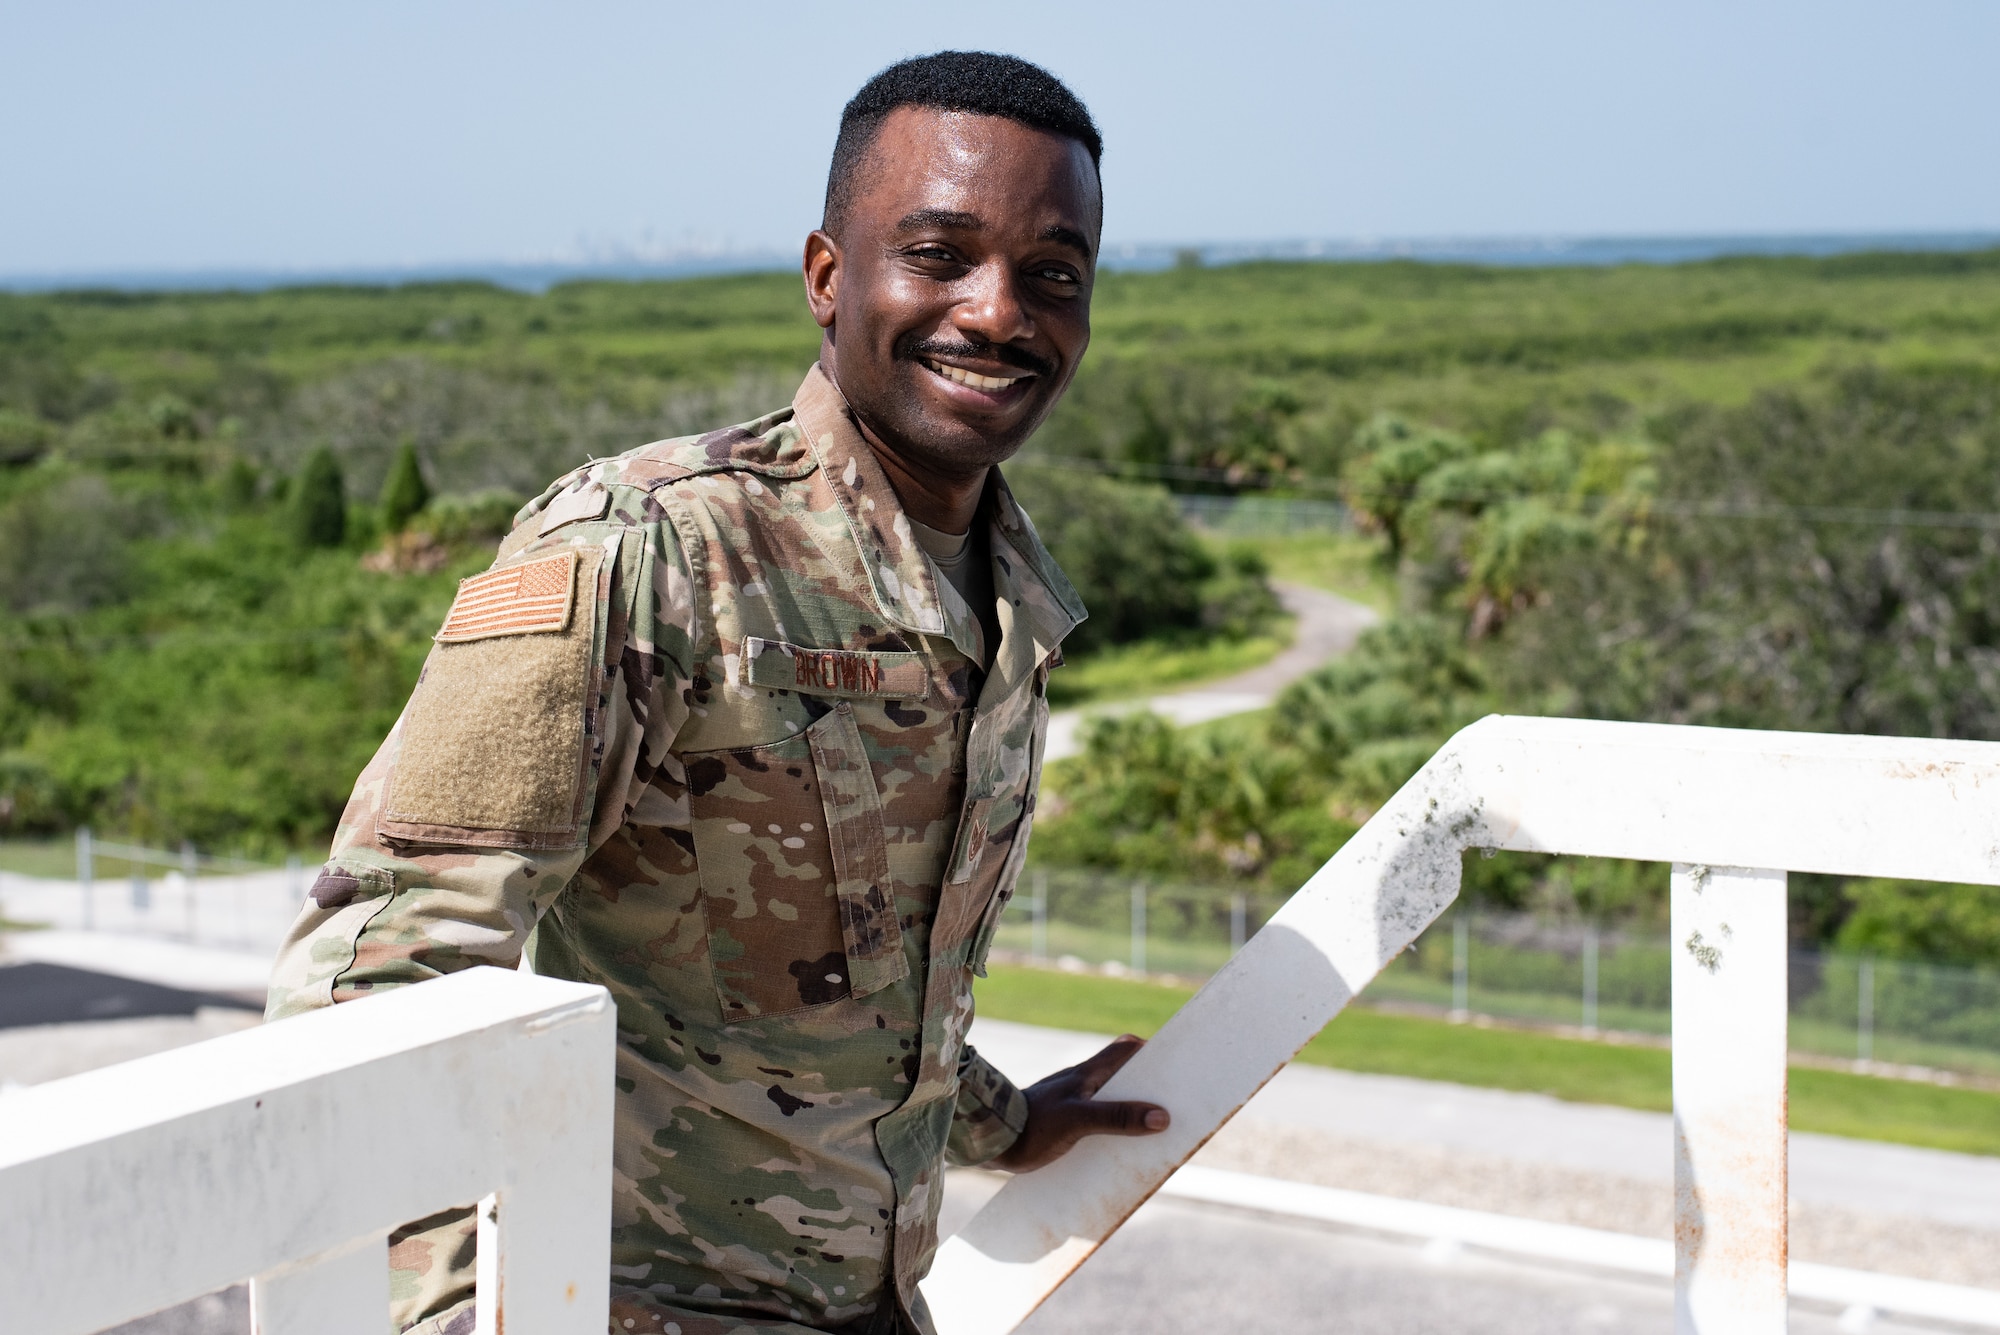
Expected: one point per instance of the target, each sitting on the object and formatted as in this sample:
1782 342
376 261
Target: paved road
1326 627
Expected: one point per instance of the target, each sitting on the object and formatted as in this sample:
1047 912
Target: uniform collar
1038 597
900 575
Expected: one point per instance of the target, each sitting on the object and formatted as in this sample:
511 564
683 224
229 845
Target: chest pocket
796 896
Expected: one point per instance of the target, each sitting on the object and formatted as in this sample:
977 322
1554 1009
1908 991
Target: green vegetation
1216 805
1144 667
405 493
1144 575
319 502
55 858
1739 494
207 629
1700 493
1832 1102
1342 563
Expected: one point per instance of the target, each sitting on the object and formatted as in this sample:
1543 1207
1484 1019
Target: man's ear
822 272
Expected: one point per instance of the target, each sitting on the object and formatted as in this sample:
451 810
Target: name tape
851 672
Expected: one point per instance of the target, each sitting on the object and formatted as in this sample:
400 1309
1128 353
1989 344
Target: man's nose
991 309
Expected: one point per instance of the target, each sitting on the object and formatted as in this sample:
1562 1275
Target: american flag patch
514 600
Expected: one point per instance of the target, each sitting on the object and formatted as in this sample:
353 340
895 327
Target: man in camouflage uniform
747 728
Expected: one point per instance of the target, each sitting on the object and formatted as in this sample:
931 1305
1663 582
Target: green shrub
404 491
23 439
481 516
238 485
319 501
1149 798
1373 717
1139 568
1923 920
1237 599
63 539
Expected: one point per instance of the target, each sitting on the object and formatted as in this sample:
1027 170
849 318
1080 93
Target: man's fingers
1126 1119
1095 1071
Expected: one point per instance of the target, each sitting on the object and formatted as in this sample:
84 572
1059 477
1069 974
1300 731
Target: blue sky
256 135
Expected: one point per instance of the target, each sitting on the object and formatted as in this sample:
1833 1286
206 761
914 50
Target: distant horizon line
1519 250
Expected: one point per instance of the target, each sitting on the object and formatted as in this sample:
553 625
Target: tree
404 492
319 501
1955 924
1137 566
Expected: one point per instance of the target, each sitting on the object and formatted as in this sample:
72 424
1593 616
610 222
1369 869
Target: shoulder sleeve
555 689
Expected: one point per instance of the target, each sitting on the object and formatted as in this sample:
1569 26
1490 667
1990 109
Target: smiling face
956 299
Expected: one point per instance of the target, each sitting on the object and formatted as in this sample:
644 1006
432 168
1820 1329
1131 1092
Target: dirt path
1327 626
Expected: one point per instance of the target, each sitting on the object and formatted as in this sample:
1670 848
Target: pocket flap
850 672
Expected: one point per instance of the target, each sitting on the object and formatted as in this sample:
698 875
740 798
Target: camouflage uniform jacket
713 734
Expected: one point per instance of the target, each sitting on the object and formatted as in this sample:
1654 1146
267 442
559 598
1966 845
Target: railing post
188 867
1038 940
1461 968
1238 927
1139 927
1729 988
1864 1020
1590 980
84 876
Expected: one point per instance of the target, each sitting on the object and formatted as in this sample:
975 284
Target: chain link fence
1516 968
1077 919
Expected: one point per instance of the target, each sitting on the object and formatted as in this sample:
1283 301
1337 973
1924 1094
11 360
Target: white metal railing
1733 811
286 1154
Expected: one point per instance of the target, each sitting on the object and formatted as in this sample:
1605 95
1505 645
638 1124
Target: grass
1832 1102
1343 563
1131 671
53 858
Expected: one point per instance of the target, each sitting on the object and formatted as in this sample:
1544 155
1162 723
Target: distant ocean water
1518 251
1510 251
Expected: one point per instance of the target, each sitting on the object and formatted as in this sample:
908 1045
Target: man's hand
1062 1110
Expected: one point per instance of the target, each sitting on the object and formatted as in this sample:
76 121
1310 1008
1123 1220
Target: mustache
1018 358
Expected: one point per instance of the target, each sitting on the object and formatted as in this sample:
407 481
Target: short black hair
980 82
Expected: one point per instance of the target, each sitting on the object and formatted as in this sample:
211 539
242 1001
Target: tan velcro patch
534 596
492 750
